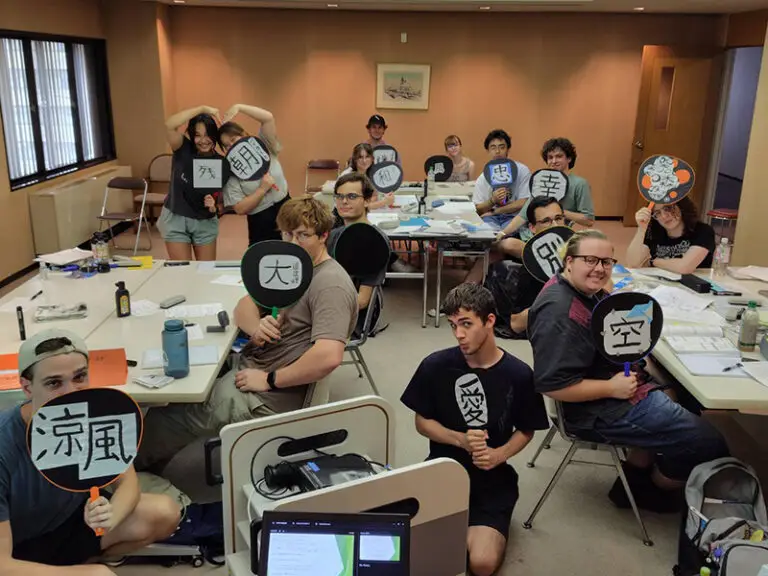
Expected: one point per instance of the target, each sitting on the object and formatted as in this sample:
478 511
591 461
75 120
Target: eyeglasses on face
347 197
300 236
667 210
559 219
592 261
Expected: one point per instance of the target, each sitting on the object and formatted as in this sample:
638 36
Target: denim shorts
680 439
498 221
177 228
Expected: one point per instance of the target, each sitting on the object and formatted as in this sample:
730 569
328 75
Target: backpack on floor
202 526
725 524
502 281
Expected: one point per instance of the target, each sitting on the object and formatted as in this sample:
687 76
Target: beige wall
746 29
135 78
749 244
68 17
538 76
165 51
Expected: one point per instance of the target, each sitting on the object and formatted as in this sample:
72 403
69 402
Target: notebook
671 329
713 365
699 344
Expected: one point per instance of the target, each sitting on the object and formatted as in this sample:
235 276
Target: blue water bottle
176 349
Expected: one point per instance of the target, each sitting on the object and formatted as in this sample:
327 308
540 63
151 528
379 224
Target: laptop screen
315 544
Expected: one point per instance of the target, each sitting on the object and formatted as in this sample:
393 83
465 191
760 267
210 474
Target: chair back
319 165
318 393
377 297
160 168
560 422
129 184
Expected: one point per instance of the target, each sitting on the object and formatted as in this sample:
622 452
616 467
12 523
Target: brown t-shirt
326 311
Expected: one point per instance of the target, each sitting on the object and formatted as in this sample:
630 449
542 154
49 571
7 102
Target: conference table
102 329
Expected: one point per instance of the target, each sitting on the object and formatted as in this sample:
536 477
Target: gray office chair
354 346
577 443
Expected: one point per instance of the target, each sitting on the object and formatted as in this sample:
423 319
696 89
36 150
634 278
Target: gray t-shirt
326 311
33 505
236 190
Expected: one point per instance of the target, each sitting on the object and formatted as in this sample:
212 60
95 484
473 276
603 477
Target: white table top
743 394
98 292
139 333
468 215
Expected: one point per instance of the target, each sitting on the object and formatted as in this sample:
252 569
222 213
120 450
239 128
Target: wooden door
676 114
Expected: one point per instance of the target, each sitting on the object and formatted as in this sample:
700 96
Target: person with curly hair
672 238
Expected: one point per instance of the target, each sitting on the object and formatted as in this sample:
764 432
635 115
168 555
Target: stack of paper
751 272
672 329
679 304
758 371
64 257
699 344
720 365
377 218
657 273
404 199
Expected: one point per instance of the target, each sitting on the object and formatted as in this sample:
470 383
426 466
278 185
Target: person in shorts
477 405
41 524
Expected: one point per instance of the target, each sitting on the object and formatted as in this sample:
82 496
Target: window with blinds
54 104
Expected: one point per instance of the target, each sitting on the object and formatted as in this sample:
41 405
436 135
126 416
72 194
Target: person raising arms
261 199
188 221
672 238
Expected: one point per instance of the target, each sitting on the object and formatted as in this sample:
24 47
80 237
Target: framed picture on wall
402 86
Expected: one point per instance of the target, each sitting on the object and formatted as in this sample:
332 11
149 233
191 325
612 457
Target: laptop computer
319 544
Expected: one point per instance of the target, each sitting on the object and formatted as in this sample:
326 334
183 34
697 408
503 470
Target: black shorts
71 543
263 225
492 499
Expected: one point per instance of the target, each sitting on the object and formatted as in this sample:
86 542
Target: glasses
549 221
348 197
592 261
454 145
667 210
301 236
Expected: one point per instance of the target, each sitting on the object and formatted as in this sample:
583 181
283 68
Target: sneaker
402 267
647 495
432 313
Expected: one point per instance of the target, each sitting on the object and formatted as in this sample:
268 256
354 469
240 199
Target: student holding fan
600 402
42 524
188 221
259 199
361 161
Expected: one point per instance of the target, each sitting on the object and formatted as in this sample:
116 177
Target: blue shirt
32 504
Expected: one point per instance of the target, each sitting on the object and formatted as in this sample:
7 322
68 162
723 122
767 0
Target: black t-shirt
499 399
564 353
662 246
183 198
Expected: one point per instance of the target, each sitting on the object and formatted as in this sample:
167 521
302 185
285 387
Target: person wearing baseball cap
42 525
376 127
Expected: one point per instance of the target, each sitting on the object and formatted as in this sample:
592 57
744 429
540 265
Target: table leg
424 286
486 263
439 282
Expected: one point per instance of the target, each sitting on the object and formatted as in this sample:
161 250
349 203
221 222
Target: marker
729 368
36 295
20 318
177 263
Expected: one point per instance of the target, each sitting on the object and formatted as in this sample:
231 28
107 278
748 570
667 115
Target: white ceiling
666 6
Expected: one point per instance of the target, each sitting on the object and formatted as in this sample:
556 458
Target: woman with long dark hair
189 218
672 238
261 199
361 161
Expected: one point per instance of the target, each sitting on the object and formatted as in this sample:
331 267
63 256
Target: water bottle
722 258
750 320
176 349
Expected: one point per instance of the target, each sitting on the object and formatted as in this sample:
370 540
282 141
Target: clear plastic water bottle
176 349
750 321
721 259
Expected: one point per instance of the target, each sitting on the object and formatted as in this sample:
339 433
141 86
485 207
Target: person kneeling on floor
41 524
477 405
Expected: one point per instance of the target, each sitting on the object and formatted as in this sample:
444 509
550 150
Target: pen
36 295
729 368
20 318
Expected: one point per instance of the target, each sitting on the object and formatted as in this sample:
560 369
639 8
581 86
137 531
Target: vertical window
55 107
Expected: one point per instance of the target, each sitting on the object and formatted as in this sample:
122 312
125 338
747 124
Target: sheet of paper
404 200
758 371
447 228
377 218
657 273
713 365
456 208
206 267
679 300
13 303
194 310
696 344
146 262
703 318
64 257
195 332
297 554
144 308
756 272
672 329
228 280
203 355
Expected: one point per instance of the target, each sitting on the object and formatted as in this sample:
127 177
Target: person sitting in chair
599 402
352 194
477 405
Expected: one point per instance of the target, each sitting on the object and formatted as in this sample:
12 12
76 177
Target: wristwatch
271 380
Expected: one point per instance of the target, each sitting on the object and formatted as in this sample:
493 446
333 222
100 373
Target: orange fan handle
95 496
